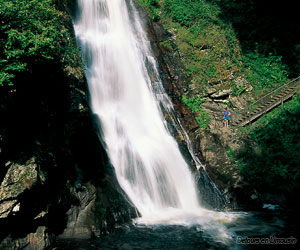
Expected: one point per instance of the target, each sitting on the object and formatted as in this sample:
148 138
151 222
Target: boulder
18 178
38 240
81 222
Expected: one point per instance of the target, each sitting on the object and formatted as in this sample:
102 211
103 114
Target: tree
31 32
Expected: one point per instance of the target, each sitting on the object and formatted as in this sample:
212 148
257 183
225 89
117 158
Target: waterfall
146 158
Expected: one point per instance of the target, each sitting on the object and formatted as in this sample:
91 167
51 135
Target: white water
147 160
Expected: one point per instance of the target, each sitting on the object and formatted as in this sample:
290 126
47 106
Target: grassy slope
224 41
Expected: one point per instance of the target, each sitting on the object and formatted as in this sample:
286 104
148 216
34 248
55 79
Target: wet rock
39 240
17 179
81 222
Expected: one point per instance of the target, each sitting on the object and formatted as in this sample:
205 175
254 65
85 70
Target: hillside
229 54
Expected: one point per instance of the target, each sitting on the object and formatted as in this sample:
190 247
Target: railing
275 90
250 108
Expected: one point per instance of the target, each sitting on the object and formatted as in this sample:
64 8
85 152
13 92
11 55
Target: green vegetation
207 45
264 71
152 6
218 37
272 160
202 119
213 48
32 33
252 40
194 104
265 27
237 90
230 154
186 12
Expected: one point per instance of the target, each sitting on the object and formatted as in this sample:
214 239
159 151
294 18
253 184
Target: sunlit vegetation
209 45
31 33
222 40
194 104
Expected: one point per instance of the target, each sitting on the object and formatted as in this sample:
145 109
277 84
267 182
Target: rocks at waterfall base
17 179
55 177
57 182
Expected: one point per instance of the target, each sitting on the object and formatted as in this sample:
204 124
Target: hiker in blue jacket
226 117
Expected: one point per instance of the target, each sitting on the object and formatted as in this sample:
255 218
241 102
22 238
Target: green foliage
206 35
273 163
263 70
202 119
207 46
230 154
31 32
166 44
259 28
194 104
152 6
186 12
237 89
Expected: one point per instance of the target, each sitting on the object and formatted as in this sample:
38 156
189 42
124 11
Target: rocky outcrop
38 240
55 181
55 176
81 222
17 179
97 211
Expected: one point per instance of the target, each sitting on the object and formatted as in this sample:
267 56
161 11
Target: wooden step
282 95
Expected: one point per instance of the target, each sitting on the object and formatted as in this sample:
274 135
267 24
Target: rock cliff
56 181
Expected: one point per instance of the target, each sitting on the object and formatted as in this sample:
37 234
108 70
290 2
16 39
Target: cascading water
147 160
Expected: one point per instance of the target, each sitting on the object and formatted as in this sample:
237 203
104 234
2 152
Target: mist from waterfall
146 158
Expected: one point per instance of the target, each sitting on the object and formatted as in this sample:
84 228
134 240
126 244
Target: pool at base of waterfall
257 231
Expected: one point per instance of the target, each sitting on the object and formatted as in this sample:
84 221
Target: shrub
31 32
273 163
263 70
186 12
194 104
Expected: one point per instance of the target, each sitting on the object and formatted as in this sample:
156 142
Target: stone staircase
266 103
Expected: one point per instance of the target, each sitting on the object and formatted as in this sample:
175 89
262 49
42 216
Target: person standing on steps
226 117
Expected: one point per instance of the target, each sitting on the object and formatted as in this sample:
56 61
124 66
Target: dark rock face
54 169
97 211
55 176
40 239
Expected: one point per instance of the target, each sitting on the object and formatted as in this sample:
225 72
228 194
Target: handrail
274 90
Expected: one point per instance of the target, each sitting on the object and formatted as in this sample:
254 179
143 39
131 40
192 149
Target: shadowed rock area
55 177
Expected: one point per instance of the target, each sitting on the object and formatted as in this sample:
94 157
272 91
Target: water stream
146 158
